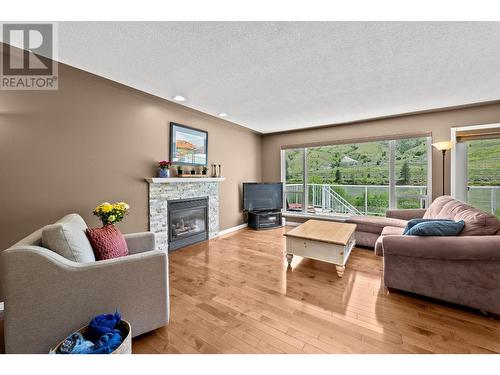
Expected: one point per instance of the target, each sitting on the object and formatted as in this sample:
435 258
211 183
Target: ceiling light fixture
222 114
179 98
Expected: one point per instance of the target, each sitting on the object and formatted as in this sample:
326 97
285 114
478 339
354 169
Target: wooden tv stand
264 219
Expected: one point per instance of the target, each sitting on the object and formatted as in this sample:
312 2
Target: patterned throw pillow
107 242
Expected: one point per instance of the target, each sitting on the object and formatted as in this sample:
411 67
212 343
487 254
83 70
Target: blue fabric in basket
75 344
102 337
101 324
107 343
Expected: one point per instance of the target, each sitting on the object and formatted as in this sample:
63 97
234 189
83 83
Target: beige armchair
48 296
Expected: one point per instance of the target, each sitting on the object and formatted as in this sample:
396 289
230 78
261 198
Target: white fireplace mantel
170 180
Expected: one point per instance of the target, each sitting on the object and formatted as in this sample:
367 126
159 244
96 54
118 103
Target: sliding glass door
483 174
294 178
356 178
476 166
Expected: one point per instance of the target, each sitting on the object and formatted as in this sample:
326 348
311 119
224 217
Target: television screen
262 196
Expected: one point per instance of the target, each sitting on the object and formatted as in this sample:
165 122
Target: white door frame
459 178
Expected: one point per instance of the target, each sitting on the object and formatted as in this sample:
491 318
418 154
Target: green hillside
484 162
369 165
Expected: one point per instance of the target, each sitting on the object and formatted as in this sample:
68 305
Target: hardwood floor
235 295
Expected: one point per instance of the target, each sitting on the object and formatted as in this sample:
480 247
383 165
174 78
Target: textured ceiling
275 76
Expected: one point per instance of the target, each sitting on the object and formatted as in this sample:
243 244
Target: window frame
459 178
393 197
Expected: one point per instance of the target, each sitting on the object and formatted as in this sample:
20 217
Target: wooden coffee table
327 241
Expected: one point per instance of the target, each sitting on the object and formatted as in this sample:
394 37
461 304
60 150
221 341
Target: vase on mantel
163 172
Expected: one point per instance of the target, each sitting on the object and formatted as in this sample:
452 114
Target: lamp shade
443 146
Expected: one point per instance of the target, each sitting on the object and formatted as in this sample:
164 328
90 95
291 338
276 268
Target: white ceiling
275 76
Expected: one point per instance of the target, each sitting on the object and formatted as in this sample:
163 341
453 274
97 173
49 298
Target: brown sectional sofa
464 269
369 228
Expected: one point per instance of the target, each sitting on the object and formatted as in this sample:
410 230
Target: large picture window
364 178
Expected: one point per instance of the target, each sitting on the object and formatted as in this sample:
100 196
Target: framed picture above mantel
188 146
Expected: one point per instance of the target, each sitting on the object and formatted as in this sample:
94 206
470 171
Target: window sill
302 215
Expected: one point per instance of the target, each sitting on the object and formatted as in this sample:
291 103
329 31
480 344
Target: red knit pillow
107 242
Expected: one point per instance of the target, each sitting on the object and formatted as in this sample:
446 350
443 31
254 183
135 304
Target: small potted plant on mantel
204 170
164 171
179 170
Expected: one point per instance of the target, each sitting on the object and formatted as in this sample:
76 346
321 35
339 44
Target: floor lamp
443 147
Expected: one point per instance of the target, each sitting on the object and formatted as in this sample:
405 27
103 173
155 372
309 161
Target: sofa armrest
140 242
406 214
483 248
47 296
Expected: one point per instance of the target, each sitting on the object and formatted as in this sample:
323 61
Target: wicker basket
124 348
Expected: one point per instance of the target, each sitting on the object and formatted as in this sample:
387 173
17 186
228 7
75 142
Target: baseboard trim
233 229
244 225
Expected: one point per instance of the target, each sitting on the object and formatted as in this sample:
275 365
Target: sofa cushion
366 239
477 222
374 224
387 231
392 231
108 242
67 238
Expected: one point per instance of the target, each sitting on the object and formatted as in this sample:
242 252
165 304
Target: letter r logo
36 40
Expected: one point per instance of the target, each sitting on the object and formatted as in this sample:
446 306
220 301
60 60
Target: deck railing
374 199
485 198
357 199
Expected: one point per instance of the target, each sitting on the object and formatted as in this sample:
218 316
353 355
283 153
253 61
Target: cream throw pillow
67 238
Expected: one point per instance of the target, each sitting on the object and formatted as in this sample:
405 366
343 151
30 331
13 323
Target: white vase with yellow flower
111 213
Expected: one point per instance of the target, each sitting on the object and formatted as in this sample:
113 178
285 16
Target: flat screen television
267 196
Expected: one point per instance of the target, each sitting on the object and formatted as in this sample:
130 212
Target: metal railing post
323 194
366 200
493 200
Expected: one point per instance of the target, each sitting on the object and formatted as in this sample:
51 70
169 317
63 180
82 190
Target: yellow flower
125 205
111 218
122 206
105 207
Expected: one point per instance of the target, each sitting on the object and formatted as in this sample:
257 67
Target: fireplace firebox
187 222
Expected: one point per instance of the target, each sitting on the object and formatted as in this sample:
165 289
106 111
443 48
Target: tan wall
94 140
437 123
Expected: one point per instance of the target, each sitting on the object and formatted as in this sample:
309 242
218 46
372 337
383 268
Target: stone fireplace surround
161 190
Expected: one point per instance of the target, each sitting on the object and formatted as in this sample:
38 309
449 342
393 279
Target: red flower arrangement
164 164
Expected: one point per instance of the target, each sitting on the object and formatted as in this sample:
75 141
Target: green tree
338 176
405 175
316 180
